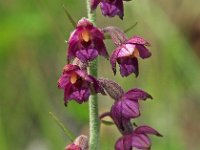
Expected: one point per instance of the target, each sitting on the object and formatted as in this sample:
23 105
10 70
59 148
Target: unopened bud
83 66
113 89
80 143
116 34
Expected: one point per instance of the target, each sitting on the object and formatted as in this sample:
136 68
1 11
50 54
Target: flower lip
85 35
73 78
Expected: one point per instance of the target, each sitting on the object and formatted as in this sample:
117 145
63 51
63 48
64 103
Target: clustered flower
85 44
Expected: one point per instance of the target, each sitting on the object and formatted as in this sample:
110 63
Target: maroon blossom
86 42
126 55
138 138
109 8
77 84
126 108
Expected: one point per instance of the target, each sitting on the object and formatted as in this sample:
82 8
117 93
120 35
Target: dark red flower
127 108
138 138
77 84
86 42
126 55
109 8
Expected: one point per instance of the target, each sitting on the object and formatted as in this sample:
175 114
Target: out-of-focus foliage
33 52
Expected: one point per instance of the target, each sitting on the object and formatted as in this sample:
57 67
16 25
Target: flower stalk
93 100
79 79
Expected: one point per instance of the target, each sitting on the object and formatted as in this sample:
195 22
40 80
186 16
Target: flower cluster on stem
80 82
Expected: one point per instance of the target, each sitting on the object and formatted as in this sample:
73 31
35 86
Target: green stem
93 100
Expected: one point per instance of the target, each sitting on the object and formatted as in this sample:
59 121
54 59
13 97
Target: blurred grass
32 54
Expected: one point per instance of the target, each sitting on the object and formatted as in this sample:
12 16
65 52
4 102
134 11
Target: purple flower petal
94 4
146 130
126 55
138 40
128 109
143 51
80 94
63 81
112 8
136 139
126 50
99 44
140 141
67 93
113 59
87 54
137 94
128 66
124 143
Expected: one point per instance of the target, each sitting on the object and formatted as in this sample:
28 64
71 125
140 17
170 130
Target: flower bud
113 89
80 143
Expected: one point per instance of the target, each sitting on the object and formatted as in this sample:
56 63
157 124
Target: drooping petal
97 33
143 51
80 95
87 54
112 8
128 66
94 4
123 124
137 94
73 45
63 81
67 92
100 46
146 130
120 6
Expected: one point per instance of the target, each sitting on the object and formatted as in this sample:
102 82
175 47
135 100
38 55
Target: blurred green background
33 53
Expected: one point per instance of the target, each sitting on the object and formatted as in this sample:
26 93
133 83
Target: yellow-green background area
33 53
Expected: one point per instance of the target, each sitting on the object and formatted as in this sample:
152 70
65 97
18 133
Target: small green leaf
108 123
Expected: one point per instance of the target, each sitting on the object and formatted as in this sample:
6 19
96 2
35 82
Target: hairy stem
93 103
